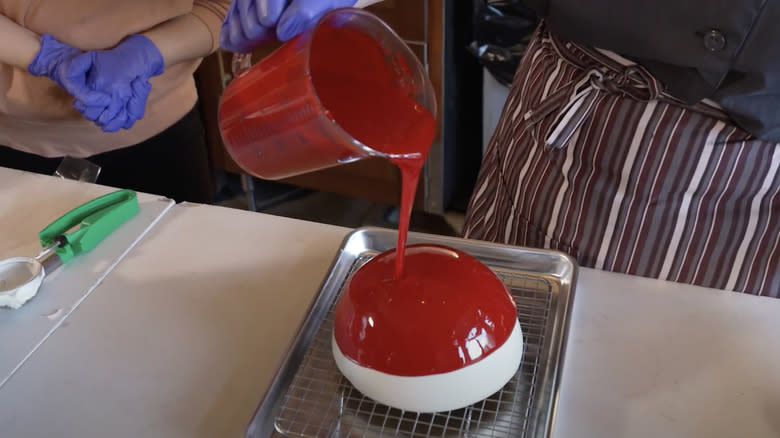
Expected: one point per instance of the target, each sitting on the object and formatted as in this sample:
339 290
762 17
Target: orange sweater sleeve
212 13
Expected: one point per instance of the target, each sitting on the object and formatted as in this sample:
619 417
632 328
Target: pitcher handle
240 63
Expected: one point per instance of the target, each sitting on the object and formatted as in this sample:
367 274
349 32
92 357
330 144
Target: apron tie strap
572 104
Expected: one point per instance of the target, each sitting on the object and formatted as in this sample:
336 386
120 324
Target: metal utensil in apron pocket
76 232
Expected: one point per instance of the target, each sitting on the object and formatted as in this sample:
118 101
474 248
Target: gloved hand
123 73
250 23
127 107
67 66
302 15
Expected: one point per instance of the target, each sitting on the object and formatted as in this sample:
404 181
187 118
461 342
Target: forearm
181 39
19 45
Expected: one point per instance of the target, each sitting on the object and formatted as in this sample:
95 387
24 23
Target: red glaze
442 309
274 117
347 77
365 97
447 311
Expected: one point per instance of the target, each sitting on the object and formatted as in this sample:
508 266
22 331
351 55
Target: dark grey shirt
725 50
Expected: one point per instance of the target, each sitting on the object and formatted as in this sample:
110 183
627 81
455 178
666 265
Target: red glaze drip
363 96
448 311
443 309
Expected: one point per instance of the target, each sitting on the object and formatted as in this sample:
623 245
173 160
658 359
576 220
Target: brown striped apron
592 158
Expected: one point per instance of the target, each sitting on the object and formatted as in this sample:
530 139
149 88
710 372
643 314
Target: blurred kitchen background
470 48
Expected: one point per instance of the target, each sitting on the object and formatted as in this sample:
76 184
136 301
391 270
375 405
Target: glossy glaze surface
437 392
447 311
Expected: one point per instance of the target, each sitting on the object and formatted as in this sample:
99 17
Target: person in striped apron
655 154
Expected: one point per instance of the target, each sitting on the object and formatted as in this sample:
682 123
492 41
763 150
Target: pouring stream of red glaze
355 82
445 309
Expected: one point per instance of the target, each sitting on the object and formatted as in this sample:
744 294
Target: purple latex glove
68 67
250 23
302 15
123 73
126 117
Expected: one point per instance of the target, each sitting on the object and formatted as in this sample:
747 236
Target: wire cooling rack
319 403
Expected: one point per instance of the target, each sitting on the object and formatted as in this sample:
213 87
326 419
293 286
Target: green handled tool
96 220
76 232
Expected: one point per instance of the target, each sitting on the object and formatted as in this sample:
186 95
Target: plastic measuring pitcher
276 117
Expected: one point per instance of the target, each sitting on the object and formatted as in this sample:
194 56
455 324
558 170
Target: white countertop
28 203
183 336
648 358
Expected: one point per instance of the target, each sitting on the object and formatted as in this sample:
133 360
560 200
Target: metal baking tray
309 397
